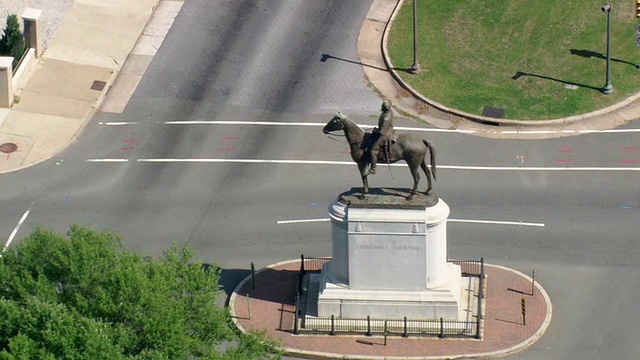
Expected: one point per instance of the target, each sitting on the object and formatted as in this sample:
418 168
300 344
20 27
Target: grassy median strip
542 59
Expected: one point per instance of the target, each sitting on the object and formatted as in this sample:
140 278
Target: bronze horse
404 146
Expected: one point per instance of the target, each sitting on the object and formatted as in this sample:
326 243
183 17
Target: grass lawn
541 59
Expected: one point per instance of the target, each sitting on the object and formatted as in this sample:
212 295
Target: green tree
12 43
84 296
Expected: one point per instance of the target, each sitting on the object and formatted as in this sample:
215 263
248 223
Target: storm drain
98 85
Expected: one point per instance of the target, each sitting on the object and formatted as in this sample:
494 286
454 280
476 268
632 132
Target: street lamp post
607 88
415 68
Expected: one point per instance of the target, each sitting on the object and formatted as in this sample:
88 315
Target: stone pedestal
389 259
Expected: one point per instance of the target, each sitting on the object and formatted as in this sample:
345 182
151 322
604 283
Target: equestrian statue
385 145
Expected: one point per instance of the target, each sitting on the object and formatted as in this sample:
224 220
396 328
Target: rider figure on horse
383 132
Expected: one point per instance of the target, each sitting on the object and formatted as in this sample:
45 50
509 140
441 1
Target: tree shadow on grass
592 54
520 74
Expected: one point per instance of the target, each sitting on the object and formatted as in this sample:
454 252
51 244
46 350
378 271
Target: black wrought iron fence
310 264
401 327
395 327
469 267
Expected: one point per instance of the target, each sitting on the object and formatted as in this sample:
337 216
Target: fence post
253 275
441 328
249 306
533 281
385 332
368 325
404 333
480 297
301 274
296 331
333 325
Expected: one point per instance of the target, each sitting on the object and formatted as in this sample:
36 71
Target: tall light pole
607 88
415 68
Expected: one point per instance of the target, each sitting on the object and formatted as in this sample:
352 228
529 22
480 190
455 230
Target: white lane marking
274 123
15 230
539 168
236 122
107 160
516 223
302 221
349 163
612 131
247 161
433 130
531 132
488 222
118 123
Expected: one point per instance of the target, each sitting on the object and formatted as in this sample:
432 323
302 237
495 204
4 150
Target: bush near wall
12 42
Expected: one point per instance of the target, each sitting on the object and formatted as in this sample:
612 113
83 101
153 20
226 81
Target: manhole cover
8 147
98 85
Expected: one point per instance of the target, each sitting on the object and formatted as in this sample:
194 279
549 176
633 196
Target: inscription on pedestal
387 263
387 247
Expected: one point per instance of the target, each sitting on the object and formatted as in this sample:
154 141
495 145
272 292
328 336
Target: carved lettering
386 247
371 247
406 247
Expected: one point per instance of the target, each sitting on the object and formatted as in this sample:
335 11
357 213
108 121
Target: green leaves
12 42
84 296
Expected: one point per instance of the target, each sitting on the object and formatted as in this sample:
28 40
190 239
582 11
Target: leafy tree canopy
84 296
12 41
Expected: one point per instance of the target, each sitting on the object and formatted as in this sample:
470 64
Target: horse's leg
416 180
425 168
365 182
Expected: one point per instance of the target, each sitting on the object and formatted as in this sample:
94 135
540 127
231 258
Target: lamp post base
607 89
415 69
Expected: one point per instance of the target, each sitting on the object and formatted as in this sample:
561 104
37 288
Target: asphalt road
238 84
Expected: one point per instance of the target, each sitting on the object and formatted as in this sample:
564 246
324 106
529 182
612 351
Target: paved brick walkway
53 12
272 310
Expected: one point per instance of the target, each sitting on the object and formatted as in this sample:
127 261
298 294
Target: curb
233 296
538 334
325 355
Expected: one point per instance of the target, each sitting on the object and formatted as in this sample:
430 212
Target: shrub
12 42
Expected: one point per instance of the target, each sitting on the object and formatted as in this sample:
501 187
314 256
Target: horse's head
334 124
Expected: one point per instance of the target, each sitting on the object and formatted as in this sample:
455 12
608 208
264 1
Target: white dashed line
15 230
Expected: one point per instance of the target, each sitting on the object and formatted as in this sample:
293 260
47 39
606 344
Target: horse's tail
432 155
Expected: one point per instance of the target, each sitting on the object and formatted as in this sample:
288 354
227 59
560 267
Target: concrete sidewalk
68 83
